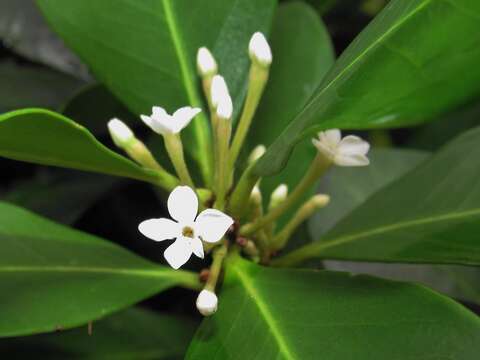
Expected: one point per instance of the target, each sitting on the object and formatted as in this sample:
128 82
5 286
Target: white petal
225 108
218 90
212 224
179 252
331 137
323 148
351 160
147 120
162 122
183 116
160 229
353 145
197 247
158 111
183 205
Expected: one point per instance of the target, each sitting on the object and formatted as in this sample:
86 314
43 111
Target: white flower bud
256 153
207 302
218 91
206 63
278 196
120 132
225 108
320 200
256 195
259 49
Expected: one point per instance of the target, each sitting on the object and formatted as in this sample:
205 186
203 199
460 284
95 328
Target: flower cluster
256 235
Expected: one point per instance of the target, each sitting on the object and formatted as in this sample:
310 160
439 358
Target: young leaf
54 277
144 52
302 54
407 66
131 334
269 313
430 215
47 138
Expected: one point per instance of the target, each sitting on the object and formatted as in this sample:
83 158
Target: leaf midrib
265 313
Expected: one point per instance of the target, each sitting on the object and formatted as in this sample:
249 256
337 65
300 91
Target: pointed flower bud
207 302
120 133
259 49
256 195
256 153
225 108
219 90
278 195
206 64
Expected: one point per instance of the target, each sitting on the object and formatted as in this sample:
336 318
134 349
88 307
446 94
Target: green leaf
144 52
407 66
269 313
131 334
27 86
430 215
47 138
54 277
350 187
73 195
303 54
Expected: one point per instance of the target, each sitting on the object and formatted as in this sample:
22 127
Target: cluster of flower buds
194 234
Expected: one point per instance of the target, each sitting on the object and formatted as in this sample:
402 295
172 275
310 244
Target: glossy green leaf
430 215
73 195
54 277
131 334
44 137
302 53
26 86
416 59
145 51
269 313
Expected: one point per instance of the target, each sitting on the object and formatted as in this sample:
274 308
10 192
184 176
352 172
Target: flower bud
259 50
320 200
278 196
225 108
207 302
206 64
256 153
219 90
120 133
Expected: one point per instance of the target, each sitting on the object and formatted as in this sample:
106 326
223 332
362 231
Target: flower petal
160 229
183 205
147 120
351 160
197 247
353 145
212 224
179 252
321 146
331 137
183 116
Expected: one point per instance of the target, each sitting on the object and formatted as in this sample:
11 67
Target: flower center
188 232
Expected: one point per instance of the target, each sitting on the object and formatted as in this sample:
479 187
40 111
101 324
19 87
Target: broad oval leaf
144 51
269 313
430 215
131 334
44 137
54 277
416 59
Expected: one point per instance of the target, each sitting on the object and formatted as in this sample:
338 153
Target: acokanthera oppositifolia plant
240 137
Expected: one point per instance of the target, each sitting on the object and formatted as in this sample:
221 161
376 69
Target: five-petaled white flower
209 226
163 123
349 151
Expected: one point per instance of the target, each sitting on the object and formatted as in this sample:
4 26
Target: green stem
174 147
295 257
319 165
241 195
224 128
218 257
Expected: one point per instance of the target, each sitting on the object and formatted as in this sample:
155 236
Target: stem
241 194
257 80
319 165
224 129
295 257
189 280
173 144
216 267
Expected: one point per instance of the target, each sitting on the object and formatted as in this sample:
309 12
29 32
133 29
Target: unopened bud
206 64
256 195
256 153
120 133
320 200
259 50
218 91
278 196
225 108
207 302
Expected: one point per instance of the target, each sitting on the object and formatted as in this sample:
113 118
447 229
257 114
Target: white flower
163 123
349 151
207 302
259 49
219 91
206 63
189 232
120 133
